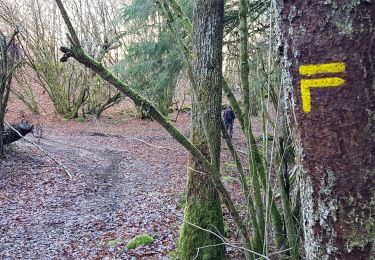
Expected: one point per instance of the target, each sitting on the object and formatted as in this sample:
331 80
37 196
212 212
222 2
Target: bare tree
69 86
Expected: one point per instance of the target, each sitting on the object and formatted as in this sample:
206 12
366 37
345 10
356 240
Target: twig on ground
133 138
154 146
41 149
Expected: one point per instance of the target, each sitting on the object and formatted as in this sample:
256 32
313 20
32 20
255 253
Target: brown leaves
121 188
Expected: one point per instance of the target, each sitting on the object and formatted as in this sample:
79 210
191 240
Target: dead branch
154 146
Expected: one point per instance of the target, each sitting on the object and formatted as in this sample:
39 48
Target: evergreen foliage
153 60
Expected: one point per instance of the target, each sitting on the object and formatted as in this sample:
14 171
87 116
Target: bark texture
335 138
9 54
203 206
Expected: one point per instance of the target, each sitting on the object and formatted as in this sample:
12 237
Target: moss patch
182 199
139 241
228 179
173 255
80 119
185 109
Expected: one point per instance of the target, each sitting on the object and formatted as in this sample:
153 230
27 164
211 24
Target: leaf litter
124 184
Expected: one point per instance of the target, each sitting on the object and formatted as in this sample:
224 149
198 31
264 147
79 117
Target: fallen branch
154 146
132 138
41 149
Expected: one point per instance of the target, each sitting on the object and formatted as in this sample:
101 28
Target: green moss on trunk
203 206
202 209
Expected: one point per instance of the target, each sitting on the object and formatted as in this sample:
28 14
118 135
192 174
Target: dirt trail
121 187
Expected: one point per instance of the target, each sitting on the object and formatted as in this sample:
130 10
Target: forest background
155 53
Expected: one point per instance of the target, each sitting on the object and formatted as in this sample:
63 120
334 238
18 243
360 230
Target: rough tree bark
329 80
203 207
8 58
249 96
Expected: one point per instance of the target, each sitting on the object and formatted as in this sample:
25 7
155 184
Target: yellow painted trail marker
313 69
309 70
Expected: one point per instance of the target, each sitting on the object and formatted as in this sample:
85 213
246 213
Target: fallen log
9 135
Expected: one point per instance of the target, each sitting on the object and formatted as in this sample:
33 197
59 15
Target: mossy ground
139 241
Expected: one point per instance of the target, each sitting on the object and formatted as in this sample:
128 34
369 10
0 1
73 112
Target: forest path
121 187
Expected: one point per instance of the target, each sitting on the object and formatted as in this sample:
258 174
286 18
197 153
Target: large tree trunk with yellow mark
328 50
203 207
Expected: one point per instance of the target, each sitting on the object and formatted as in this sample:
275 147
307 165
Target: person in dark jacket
228 117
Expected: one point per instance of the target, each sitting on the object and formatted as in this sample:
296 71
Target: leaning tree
328 52
207 77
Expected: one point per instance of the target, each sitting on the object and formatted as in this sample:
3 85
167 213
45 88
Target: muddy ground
127 179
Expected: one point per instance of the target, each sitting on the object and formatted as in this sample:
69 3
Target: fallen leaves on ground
124 184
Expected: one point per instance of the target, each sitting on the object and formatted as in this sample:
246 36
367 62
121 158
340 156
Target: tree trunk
203 206
329 80
3 86
8 56
244 56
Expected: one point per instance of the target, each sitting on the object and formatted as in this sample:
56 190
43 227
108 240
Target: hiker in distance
228 117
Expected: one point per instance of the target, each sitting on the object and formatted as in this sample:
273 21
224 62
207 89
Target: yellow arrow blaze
309 70
306 84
